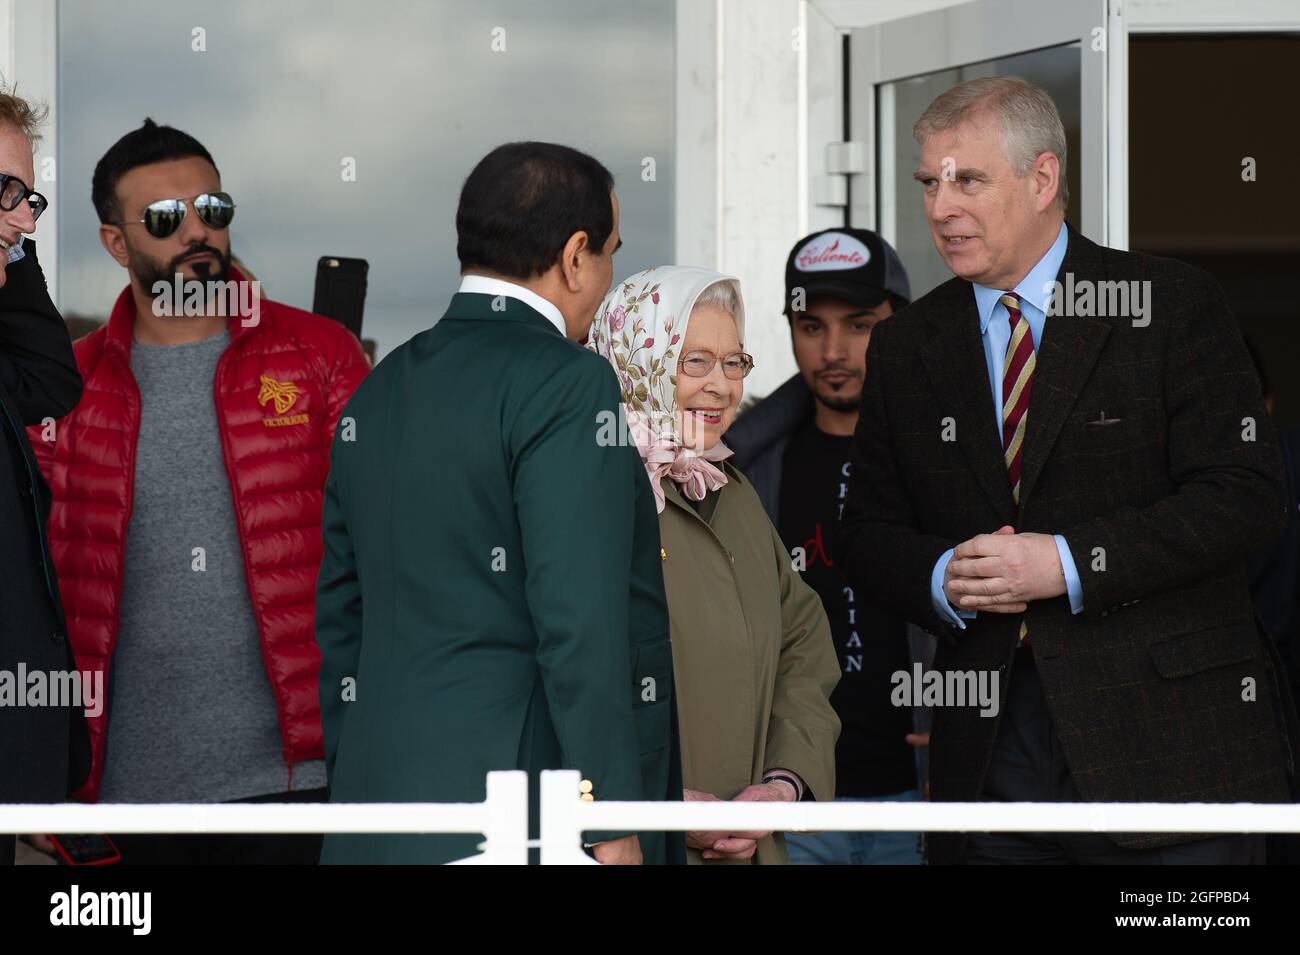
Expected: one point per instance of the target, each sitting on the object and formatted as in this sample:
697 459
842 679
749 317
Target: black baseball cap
854 265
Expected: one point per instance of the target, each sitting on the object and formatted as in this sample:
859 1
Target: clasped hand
1003 571
735 845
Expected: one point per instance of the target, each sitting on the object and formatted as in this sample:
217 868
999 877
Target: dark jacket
760 436
1275 571
1161 509
492 583
44 750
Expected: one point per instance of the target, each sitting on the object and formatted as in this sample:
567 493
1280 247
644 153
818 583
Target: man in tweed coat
1062 462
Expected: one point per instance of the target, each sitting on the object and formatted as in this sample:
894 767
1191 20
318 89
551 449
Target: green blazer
490 593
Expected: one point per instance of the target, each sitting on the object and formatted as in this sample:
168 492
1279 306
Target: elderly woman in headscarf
753 657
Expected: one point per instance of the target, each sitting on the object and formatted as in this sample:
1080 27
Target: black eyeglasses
698 364
13 191
165 216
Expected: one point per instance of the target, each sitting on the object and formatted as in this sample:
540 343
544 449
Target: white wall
27 58
755 110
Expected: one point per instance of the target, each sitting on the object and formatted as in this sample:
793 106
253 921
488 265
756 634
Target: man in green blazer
491 595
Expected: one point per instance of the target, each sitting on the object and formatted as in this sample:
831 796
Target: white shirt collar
482 285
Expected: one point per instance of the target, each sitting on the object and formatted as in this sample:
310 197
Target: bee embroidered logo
284 393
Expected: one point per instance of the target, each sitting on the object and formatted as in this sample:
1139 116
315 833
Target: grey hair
721 295
1030 122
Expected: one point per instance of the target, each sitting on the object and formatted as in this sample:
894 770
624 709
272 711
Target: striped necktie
1017 381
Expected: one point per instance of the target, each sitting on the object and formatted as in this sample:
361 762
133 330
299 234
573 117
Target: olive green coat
754 662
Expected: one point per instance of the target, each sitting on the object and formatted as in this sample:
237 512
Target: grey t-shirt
191 714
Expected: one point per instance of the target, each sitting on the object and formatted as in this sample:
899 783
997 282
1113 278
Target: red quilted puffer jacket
279 389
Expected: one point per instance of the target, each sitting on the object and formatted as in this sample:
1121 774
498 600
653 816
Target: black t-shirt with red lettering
872 757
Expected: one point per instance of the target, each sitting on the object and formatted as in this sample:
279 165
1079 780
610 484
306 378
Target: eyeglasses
698 364
165 216
13 191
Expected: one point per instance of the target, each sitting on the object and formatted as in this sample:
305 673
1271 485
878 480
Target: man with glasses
186 523
44 752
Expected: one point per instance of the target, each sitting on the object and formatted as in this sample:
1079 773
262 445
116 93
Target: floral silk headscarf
640 328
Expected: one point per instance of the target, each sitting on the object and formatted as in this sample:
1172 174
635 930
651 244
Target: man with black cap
794 448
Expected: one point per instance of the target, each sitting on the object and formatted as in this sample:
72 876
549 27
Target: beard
148 272
848 401
847 397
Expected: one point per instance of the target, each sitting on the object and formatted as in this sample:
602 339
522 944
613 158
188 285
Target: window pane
286 92
901 103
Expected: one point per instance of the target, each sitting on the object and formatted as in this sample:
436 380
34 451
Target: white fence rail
503 818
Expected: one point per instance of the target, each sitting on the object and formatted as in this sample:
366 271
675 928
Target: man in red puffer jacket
187 504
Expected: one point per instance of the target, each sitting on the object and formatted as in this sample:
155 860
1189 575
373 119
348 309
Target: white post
561 832
697 238
506 828
1116 187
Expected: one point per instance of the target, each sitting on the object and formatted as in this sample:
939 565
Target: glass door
897 68
1208 148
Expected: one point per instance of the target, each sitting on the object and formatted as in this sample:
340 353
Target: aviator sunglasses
165 216
13 191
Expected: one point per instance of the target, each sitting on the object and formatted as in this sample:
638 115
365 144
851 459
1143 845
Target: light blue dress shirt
1035 291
